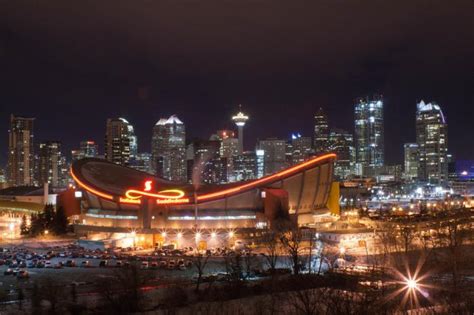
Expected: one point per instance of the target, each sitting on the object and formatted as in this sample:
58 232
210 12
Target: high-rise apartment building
275 155
432 140
20 168
169 149
341 142
51 164
302 148
321 132
411 161
369 132
117 141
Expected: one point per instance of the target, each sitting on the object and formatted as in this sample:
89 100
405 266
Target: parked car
103 263
70 263
48 264
23 274
85 264
171 264
8 271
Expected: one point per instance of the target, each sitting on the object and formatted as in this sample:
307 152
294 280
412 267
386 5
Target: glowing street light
163 234
342 250
46 232
411 284
213 234
231 234
180 235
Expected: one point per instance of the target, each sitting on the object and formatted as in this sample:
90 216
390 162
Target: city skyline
325 58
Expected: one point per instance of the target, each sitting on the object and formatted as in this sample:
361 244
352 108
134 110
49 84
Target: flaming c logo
148 185
170 194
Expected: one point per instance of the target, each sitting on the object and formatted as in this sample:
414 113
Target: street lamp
11 227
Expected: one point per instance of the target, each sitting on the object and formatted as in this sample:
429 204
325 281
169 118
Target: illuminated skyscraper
341 142
51 164
207 165
274 155
369 132
168 148
411 161
20 166
240 119
133 142
117 141
245 166
302 149
321 132
432 139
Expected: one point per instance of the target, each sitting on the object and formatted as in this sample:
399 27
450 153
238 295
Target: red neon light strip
266 179
90 189
227 191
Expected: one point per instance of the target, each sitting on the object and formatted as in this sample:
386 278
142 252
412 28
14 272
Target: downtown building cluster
222 158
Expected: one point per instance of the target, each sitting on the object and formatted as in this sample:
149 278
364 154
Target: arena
120 203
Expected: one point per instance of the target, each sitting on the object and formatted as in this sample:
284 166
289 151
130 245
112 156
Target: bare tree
291 241
452 233
200 262
122 292
272 250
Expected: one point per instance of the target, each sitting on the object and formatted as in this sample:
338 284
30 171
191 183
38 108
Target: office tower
341 142
369 132
87 149
51 164
133 142
260 163
240 119
302 148
229 147
20 151
117 141
142 162
207 165
245 166
275 155
169 149
3 179
411 155
321 132
432 139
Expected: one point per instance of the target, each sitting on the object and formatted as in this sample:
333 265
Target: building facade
411 161
341 142
275 155
321 132
432 140
86 149
20 167
169 149
51 164
301 148
117 141
369 131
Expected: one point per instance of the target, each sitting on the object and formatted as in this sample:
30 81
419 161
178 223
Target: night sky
73 66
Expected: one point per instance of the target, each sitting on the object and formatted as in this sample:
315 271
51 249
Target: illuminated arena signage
168 196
